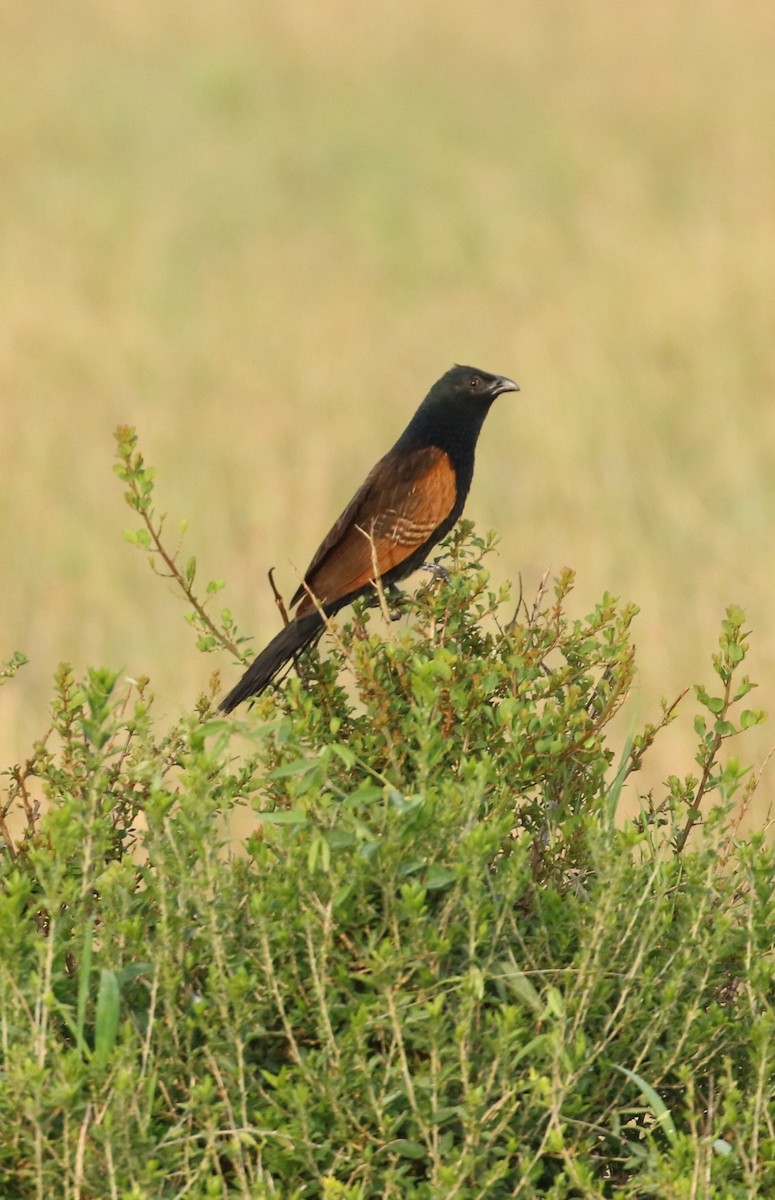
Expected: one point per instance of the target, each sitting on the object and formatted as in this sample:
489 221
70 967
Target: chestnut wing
399 507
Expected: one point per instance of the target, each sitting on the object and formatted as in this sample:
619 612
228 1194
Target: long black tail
262 670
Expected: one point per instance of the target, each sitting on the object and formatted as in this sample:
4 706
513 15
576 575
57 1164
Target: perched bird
408 502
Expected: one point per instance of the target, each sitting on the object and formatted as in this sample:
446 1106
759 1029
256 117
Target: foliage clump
441 963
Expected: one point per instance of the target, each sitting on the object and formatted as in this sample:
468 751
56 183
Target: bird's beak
504 384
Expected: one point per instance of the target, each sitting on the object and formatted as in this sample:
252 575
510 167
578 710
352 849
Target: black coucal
408 502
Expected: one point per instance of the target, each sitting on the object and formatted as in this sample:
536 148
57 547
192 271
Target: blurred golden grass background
259 232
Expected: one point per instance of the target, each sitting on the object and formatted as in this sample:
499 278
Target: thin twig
277 597
702 787
542 586
175 574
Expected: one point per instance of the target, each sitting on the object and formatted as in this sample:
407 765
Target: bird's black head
452 413
469 383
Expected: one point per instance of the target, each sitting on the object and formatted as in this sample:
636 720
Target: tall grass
260 232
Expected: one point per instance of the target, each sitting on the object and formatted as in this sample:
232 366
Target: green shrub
442 964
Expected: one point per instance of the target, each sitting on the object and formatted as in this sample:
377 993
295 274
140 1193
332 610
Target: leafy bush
441 965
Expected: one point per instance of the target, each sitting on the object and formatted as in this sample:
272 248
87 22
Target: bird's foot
437 571
393 595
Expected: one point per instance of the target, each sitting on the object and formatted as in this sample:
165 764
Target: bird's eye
475 383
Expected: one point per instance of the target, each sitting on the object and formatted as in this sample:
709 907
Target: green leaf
555 1005
344 754
656 1103
138 537
106 1016
300 766
283 816
520 985
12 665
407 1149
438 877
